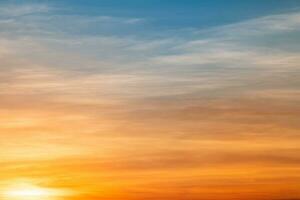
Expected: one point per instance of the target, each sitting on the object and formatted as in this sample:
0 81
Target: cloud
12 10
261 26
102 102
245 44
200 76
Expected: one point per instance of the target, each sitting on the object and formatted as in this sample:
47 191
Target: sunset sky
149 100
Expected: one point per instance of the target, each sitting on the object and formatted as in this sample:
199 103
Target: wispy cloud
12 10
205 110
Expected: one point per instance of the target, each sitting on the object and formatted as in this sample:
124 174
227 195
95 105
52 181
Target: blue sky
185 14
164 15
195 38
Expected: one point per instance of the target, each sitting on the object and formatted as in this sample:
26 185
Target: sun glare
30 192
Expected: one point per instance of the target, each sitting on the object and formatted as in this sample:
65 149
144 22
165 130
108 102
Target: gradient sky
152 99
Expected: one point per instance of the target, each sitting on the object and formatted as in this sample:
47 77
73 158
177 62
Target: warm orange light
32 192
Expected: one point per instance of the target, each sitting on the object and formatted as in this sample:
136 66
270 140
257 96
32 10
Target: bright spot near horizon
31 192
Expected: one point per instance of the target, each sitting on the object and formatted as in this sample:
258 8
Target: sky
153 99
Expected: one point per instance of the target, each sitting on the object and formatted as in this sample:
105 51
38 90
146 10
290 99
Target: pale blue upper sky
167 47
161 15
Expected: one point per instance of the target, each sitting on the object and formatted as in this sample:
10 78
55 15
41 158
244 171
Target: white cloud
270 24
125 66
239 45
25 9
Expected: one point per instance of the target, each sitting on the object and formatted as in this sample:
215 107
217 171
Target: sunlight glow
28 191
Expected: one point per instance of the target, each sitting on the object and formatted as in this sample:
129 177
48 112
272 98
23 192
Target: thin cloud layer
93 104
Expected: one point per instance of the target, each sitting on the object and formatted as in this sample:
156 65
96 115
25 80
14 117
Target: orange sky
151 156
79 133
